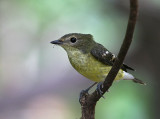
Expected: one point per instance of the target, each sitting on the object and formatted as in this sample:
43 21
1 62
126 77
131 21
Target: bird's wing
105 56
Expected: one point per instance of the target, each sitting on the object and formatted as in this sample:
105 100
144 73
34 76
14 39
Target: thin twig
88 102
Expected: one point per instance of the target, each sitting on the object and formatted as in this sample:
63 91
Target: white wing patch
106 53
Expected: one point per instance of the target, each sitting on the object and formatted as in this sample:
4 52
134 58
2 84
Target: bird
91 59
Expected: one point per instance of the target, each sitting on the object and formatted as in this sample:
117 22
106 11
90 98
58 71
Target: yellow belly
90 67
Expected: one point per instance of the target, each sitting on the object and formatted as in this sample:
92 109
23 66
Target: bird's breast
88 66
78 59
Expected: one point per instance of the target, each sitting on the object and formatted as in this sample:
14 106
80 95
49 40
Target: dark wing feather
105 56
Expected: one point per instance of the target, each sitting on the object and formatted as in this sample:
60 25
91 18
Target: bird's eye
73 39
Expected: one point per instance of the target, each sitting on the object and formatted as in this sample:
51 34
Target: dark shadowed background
37 80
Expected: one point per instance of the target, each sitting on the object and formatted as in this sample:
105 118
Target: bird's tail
135 80
128 76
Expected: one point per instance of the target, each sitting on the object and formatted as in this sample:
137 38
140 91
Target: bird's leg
90 87
99 85
83 92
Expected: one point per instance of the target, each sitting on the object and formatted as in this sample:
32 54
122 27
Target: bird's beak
57 42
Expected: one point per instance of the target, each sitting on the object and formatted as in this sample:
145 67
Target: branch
88 101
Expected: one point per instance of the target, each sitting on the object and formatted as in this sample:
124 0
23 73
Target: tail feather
125 67
128 76
135 80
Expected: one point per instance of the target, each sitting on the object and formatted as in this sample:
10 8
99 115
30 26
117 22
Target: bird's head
76 41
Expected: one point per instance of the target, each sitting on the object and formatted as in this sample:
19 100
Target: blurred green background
37 80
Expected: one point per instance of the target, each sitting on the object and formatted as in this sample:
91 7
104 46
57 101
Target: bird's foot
85 92
99 86
82 94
